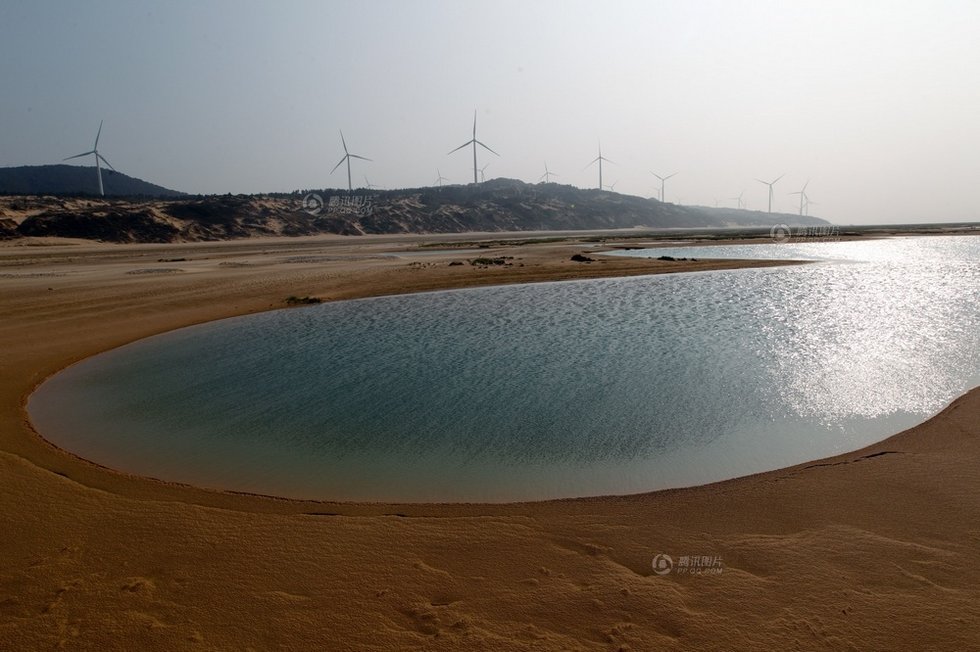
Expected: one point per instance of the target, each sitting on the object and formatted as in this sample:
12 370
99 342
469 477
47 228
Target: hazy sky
877 103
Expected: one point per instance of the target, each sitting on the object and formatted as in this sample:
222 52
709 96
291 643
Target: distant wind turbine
802 193
473 141
483 177
368 184
440 178
347 157
738 199
771 184
599 159
662 180
612 187
547 174
98 157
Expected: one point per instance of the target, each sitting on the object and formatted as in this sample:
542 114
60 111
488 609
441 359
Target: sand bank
870 550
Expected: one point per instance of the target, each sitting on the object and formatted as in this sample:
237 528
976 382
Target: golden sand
871 550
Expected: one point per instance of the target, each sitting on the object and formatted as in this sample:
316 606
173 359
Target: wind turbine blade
106 162
96 146
765 183
778 178
591 163
338 164
474 124
542 176
671 175
78 155
805 185
485 147
360 157
657 175
466 144
343 141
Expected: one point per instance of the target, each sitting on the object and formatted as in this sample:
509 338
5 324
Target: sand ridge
873 549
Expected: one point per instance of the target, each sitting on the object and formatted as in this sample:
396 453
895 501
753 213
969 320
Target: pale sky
876 103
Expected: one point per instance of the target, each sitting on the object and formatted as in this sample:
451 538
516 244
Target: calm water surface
548 390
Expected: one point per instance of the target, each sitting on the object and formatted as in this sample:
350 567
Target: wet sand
873 549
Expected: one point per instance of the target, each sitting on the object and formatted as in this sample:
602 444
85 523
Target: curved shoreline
94 459
816 556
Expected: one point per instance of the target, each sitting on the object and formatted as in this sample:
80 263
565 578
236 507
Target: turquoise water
546 390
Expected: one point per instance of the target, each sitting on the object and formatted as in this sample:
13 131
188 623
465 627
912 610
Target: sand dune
871 550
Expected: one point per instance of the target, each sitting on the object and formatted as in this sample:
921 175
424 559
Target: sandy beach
871 550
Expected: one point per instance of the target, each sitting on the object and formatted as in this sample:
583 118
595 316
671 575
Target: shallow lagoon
546 390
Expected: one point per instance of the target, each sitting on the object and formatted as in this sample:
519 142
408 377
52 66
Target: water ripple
557 389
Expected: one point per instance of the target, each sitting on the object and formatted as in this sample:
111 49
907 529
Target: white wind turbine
368 184
662 181
483 176
771 184
599 159
738 199
547 174
473 141
347 157
98 157
802 193
440 178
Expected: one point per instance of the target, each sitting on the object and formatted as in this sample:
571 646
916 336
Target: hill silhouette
75 180
499 205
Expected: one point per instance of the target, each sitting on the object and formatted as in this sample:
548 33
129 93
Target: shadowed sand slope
871 550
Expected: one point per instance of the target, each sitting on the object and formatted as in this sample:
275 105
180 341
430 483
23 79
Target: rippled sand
869 550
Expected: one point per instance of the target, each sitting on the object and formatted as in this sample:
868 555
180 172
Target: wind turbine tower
473 141
599 159
662 180
98 157
771 184
347 157
547 174
802 193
